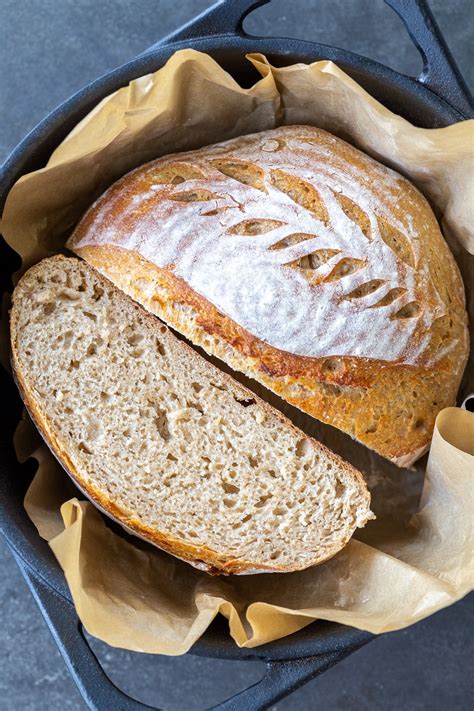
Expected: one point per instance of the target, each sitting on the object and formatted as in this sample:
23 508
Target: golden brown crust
200 556
345 392
389 405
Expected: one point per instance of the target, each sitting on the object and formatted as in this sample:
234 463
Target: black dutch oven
438 97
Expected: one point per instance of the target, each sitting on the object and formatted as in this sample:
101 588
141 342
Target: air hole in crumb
92 349
272 473
68 336
48 308
419 424
196 387
275 555
74 364
262 500
69 295
246 402
194 406
230 488
302 448
88 314
171 458
161 422
98 293
253 462
246 518
340 488
229 503
279 511
218 387
83 448
134 338
159 347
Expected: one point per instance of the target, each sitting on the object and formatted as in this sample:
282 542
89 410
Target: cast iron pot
438 97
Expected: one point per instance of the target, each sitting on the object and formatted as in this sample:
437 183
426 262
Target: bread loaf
166 443
303 263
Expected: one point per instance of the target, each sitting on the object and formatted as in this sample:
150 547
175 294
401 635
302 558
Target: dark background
48 50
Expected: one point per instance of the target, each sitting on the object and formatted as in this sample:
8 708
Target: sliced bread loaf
164 442
301 262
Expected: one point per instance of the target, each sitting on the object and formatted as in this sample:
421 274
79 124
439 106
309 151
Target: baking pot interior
401 94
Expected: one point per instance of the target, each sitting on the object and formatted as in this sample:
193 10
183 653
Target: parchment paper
418 556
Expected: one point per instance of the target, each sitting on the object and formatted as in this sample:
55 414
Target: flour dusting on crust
289 239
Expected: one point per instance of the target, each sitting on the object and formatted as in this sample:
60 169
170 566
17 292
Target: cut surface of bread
174 449
303 263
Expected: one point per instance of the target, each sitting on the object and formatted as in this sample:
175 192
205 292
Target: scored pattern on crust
296 243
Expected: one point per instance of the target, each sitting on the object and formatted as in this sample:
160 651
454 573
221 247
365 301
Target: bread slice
165 443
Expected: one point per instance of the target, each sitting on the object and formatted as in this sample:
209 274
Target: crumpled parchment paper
418 556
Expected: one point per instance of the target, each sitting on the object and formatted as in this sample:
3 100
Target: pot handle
99 692
440 72
225 17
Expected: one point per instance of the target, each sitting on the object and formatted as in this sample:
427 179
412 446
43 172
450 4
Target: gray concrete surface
49 49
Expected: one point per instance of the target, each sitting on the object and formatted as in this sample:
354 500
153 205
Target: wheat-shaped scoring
288 241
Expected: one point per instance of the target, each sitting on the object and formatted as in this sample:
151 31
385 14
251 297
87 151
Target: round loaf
303 263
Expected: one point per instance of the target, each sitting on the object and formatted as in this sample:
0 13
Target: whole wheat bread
303 263
166 443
